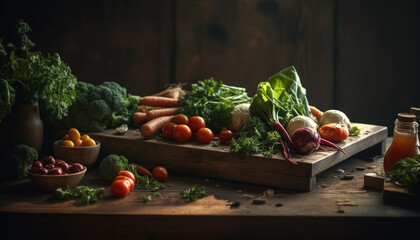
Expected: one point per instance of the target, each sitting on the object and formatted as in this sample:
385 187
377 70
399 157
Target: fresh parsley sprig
86 194
194 193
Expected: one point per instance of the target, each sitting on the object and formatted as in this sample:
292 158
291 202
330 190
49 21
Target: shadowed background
361 57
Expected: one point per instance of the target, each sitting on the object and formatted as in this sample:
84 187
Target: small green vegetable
86 194
147 198
19 158
354 131
407 173
194 193
111 166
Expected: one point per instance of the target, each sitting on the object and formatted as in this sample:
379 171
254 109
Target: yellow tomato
88 142
77 142
84 137
66 137
67 143
74 134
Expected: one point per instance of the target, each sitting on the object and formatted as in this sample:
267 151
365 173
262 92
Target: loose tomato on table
196 122
120 188
182 133
225 136
168 130
205 135
127 174
130 180
160 174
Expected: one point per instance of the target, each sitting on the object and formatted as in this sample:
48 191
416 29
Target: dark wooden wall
361 57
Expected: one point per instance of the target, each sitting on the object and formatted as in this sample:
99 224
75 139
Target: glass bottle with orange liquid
404 143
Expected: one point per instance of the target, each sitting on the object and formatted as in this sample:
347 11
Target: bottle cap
415 111
406 117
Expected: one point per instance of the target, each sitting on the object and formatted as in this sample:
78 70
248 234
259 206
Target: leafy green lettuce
281 98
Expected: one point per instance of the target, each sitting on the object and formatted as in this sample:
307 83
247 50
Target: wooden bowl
52 182
86 155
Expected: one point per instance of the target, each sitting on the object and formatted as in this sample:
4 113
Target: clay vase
26 126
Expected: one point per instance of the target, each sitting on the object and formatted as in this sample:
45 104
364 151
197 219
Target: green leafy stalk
194 193
281 98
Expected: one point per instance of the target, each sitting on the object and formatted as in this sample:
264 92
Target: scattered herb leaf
407 173
86 194
147 198
194 193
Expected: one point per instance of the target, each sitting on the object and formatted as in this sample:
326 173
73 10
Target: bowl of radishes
50 173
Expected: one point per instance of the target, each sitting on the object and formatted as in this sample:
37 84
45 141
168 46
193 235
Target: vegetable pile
50 166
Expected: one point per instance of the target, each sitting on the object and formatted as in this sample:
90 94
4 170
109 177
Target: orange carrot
141 170
316 112
152 126
157 101
142 108
139 117
160 112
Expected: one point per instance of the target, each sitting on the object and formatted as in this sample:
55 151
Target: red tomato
121 177
196 122
225 136
168 130
160 174
205 135
120 188
182 133
127 174
181 119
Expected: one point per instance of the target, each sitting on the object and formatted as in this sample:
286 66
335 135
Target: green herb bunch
30 76
212 100
407 173
256 137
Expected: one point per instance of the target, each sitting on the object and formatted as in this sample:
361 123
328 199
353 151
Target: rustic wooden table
337 208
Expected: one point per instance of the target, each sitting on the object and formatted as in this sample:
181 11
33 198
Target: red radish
305 140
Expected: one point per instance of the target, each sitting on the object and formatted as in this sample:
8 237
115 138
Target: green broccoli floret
111 166
116 88
20 157
83 87
98 109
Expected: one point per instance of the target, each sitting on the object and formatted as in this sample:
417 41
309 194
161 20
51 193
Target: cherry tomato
160 174
127 174
182 133
120 188
121 177
168 130
181 119
225 136
205 135
196 122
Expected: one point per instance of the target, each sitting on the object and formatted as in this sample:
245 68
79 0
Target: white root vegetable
240 115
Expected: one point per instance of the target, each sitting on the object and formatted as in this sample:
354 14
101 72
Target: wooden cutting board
217 162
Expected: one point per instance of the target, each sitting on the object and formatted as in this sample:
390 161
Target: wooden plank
205 160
